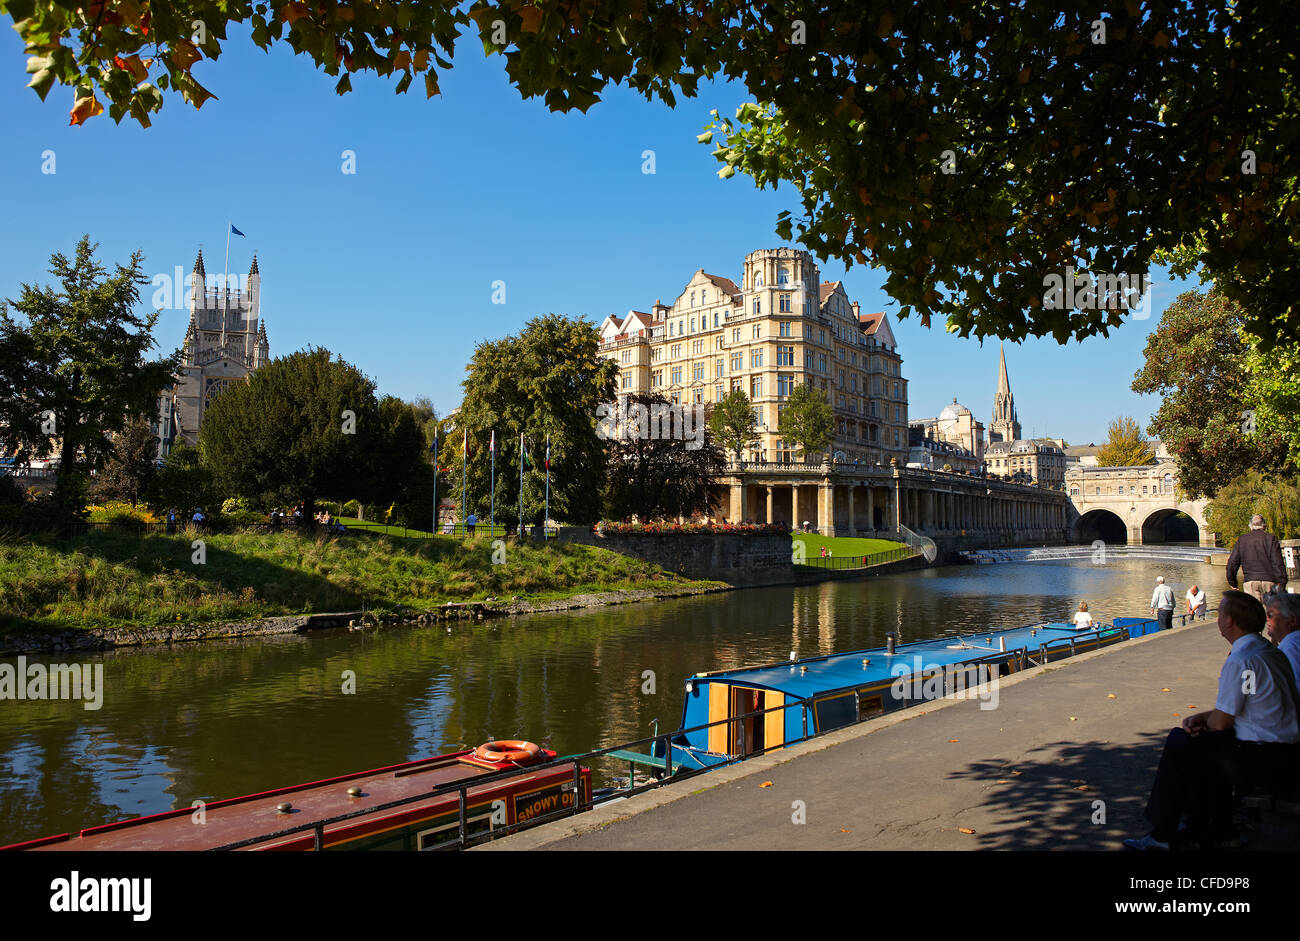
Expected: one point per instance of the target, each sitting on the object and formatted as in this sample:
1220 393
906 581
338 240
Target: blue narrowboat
730 714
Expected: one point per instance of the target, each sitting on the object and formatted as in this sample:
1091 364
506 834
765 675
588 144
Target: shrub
236 505
117 512
352 508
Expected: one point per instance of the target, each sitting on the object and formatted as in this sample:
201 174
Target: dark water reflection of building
219 719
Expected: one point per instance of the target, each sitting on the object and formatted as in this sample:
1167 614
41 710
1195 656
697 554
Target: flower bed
680 529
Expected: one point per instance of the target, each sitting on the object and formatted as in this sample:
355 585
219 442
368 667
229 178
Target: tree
1125 447
182 483
654 475
1198 361
1277 500
806 420
73 372
130 473
308 425
733 423
547 380
970 169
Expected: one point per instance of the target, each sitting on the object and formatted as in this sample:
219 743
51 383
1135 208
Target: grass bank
115 578
843 545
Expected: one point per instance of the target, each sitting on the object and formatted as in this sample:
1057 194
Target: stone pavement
1025 775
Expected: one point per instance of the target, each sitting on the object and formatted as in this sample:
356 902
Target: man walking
1162 604
1250 737
1258 555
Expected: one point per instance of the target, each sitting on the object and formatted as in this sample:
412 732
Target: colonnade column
794 506
769 503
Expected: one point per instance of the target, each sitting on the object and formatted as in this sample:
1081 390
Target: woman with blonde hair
1083 620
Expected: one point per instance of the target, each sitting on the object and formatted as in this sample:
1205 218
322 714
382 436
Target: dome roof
953 411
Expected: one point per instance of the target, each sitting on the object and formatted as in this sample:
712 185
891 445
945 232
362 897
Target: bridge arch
1170 524
1101 524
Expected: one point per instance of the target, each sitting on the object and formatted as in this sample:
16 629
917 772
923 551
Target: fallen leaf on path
1082 787
1165 689
1073 719
965 829
1190 706
951 740
842 830
766 784
1110 695
1003 781
1017 772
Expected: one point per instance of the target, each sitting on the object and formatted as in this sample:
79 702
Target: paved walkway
1025 775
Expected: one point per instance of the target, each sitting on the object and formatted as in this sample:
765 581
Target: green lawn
120 578
844 545
353 523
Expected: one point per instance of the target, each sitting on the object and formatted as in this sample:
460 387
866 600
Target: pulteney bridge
1133 505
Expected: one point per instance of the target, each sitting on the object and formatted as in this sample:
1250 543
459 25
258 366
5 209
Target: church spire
1004 384
198 263
253 269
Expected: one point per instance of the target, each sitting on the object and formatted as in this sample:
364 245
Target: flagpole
225 289
521 486
464 474
435 480
546 515
492 507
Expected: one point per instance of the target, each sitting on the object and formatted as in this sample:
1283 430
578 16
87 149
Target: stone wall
758 559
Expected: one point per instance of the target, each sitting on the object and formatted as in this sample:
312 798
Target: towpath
1025 775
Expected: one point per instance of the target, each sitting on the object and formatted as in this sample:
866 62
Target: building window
809 360
821 362
784 328
657 377
670 328
717 368
677 375
784 385
785 303
698 347
692 325
785 355
895 437
627 382
676 351
692 304
756 387
699 396
737 362
718 343
699 371
755 358
717 392
783 276
735 335
758 306
627 356
758 331
675 398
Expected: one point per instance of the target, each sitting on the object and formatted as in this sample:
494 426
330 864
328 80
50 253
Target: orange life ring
508 750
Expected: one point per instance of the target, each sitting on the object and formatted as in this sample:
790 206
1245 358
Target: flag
234 231
548 452
464 441
493 445
528 461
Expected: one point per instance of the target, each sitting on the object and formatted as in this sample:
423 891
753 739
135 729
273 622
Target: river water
225 718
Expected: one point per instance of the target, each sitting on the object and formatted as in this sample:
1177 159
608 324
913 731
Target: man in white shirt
1251 737
1284 625
1195 602
1162 604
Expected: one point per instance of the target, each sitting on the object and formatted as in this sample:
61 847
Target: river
225 718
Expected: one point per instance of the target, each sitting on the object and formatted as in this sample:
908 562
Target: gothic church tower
1005 425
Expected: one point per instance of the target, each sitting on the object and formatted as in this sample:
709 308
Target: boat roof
240 818
812 675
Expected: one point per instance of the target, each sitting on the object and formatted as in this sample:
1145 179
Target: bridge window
1074 491
1098 493
1169 483
1144 490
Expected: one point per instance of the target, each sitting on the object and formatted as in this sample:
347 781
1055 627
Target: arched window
783 276
1169 483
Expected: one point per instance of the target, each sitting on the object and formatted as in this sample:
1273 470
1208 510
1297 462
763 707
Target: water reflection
234 717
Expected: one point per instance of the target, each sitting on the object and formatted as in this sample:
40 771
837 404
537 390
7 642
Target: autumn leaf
766 784
294 12
965 830
183 55
85 108
532 18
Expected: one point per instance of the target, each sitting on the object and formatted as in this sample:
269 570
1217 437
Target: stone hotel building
781 326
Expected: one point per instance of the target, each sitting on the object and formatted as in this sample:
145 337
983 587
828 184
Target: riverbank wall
740 560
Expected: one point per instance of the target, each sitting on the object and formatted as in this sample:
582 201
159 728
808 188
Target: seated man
1249 738
1284 625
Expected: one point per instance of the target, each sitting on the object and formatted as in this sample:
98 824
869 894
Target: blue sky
392 267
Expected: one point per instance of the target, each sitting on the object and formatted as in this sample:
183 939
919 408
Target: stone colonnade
866 502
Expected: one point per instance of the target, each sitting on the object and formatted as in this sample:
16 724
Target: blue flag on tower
234 231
